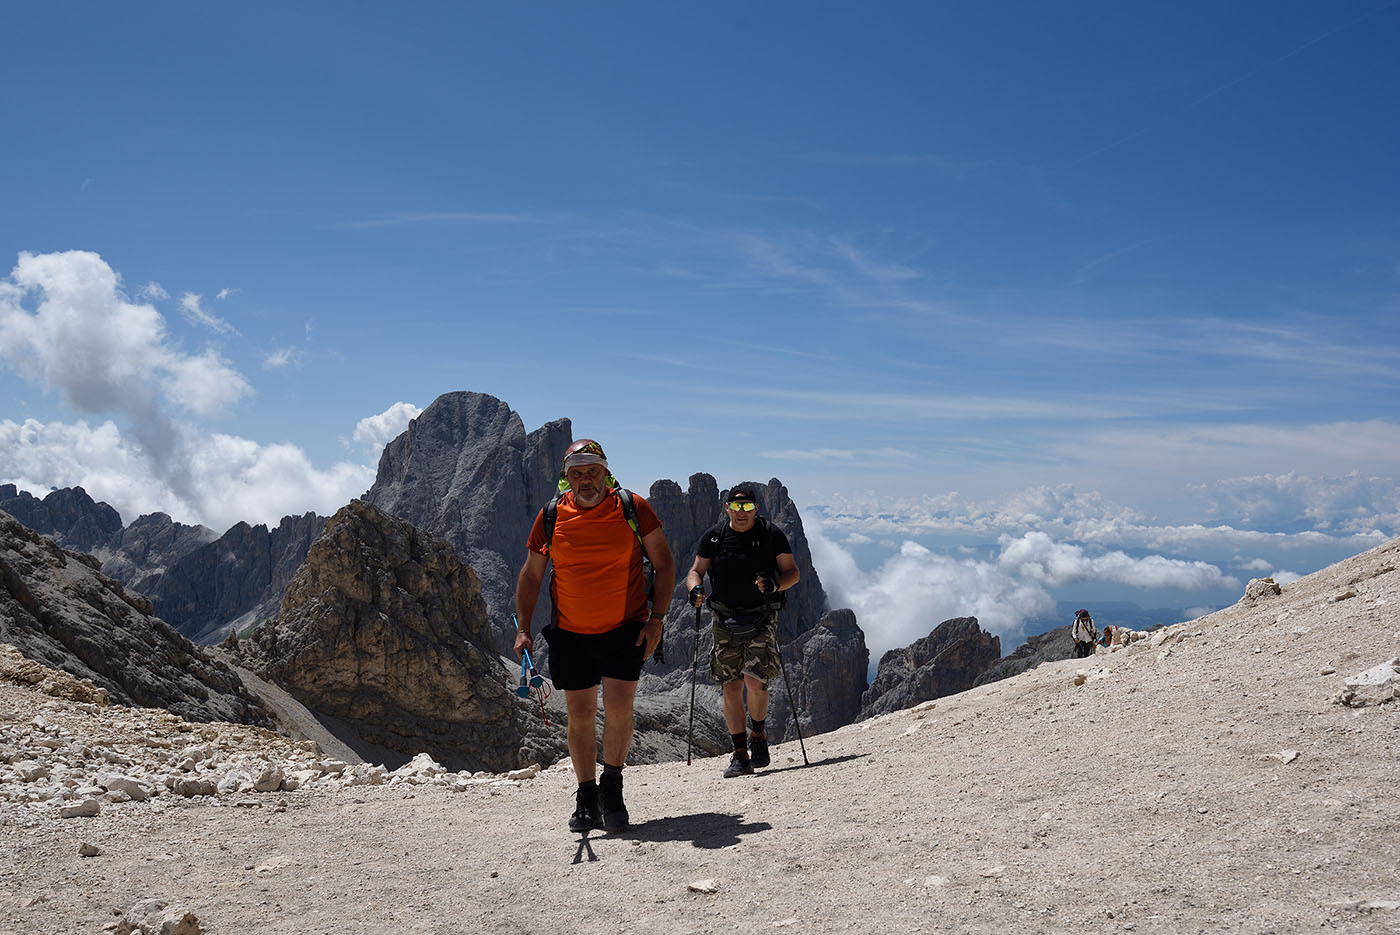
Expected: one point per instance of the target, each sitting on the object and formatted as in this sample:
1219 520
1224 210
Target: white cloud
1353 502
374 432
65 325
225 293
101 351
195 314
1256 564
152 290
1356 517
282 357
1036 557
917 589
226 479
205 385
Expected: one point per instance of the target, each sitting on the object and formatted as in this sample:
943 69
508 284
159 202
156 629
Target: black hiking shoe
610 797
758 749
738 766
587 815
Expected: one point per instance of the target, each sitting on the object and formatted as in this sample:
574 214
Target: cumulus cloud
916 589
1348 503
374 432
227 479
102 352
67 326
1036 557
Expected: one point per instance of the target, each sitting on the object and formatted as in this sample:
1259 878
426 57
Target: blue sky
1080 298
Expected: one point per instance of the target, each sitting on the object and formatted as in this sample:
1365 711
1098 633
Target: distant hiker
749 562
1085 636
603 624
1108 634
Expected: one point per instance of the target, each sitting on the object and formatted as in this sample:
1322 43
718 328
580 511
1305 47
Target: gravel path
1204 780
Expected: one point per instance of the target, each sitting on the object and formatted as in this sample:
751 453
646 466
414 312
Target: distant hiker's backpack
629 513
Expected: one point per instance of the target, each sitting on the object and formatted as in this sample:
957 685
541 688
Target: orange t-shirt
598 583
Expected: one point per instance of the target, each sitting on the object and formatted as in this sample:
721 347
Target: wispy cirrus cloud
406 218
281 358
192 308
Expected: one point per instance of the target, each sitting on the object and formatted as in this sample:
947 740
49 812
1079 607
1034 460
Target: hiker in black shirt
749 562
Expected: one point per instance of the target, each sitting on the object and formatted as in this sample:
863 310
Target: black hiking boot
587 815
614 811
758 749
738 766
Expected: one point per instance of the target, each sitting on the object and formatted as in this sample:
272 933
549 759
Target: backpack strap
629 513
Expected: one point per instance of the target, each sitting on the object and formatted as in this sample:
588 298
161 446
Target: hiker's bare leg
582 705
757 699
618 720
734 706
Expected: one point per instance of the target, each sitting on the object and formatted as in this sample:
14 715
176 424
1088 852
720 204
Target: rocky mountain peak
57 608
384 628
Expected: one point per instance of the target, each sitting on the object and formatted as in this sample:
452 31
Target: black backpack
721 529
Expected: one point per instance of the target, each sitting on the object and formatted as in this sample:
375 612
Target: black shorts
582 660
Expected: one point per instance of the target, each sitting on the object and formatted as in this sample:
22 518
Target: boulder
1259 588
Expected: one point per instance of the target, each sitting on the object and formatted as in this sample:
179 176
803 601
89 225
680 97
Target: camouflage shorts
733 658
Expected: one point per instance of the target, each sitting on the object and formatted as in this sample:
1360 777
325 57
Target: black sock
756 725
741 743
610 771
589 786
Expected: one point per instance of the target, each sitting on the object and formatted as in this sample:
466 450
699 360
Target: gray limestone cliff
945 662
68 516
1049 646
232 582
58 609
825 668
467 470
384 629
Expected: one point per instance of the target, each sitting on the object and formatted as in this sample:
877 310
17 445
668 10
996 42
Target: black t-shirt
737 557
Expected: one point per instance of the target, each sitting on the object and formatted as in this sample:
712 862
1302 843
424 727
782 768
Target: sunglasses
737 505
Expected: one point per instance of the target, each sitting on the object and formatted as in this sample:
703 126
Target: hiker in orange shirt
604 623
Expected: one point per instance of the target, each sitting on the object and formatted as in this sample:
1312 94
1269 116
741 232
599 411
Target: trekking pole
530 678
792 704
694 656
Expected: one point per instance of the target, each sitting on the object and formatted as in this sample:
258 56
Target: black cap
742 495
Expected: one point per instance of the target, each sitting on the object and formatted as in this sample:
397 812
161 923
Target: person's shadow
829 761
708 830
